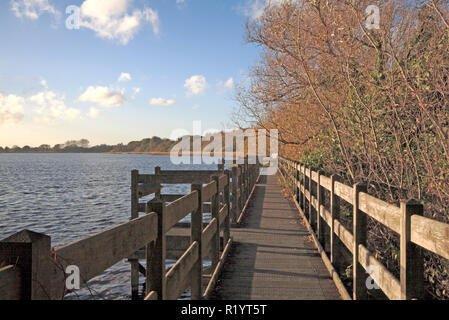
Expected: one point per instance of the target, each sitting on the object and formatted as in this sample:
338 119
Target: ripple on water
71 196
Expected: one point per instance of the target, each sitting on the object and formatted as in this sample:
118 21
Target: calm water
71 196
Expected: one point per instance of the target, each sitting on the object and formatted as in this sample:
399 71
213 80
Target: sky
119 70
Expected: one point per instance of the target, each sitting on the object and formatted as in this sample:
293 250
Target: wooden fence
318 199
31 269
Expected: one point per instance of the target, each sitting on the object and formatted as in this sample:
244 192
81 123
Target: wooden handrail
415 231
94 254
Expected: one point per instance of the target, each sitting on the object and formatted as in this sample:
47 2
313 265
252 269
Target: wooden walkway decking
272 257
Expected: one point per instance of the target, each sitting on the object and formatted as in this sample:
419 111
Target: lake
71 196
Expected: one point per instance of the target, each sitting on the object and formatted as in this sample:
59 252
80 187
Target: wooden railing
31 269
318 199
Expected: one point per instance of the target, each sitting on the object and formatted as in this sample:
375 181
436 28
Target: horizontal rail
178 274
385 213
98 252
208 191
147 189
152 296
180 208
222 214
208 234
384 279
179 176
431 235
222 182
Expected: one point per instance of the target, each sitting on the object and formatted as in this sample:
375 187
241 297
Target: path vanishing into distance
272 257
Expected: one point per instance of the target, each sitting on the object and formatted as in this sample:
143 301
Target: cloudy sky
120 70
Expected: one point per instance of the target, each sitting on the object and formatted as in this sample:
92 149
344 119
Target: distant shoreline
153 153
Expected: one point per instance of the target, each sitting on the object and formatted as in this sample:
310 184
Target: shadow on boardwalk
272 257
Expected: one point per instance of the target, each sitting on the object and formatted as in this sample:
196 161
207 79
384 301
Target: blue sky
133 69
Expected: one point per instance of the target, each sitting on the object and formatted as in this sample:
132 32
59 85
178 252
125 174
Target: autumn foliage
368 104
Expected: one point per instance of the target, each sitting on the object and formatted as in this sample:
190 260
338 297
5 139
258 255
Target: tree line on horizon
154 144
368 104
148 145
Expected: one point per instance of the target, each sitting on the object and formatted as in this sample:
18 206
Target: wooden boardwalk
272 257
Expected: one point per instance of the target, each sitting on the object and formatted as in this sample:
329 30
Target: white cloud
11 109
225 86
51 107
136 90
162 102
254 9
229 83
93 113
103 96
112 19
32 9
196 107
124 77
43 83
195 85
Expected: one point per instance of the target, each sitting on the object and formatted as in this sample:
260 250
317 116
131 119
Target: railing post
157 195
305 190
335 214
156 253
320 202
30 252
360 235
215 252
297 181
411 255
242 186
134 214
227 223
303 187
246 180
310 197
196 233
235 197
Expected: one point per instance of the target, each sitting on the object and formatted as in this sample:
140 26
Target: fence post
360 233
157 251
235 197
335 214
247 191
297 166
157 195
215 252
242 186
134 214
411 256
196 233
320 202
310 197
303 187
227 223
30 252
